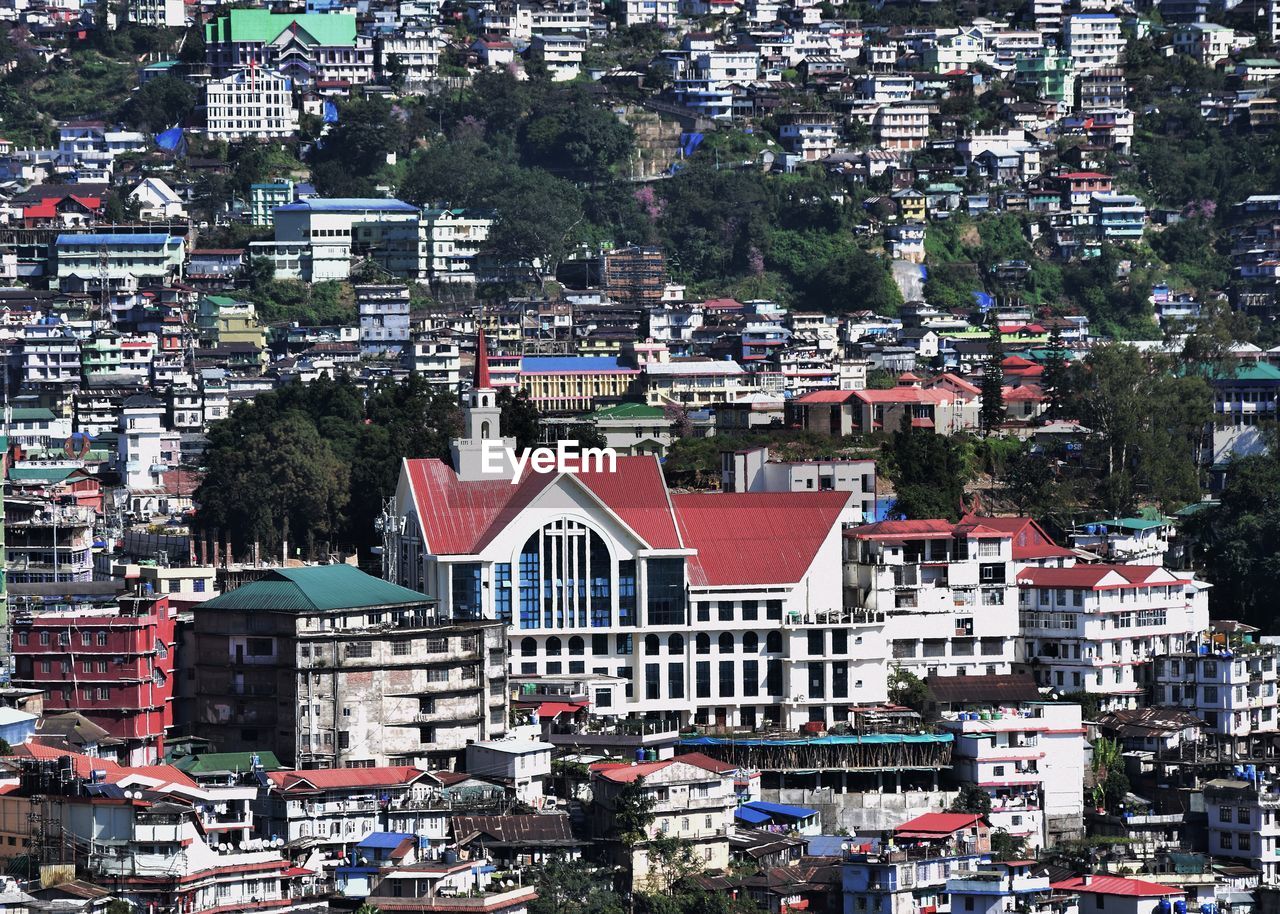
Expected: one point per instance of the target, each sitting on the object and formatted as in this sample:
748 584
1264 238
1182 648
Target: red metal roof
755 537
826 396
460 518
937 824
1101 577
916 529
337 778
1116 885
554 708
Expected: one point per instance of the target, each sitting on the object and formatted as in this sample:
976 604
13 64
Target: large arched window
773 643
651 645
528 647
675 644
726 643
750 643
566 578
577 647
553 647
703 643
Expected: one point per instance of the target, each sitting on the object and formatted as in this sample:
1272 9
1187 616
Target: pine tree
1054 380
992 415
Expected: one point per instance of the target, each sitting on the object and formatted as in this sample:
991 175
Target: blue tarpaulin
330 112
172 140
984 300
690 142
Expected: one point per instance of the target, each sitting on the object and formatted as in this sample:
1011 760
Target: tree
1054 380
991 415
519 418
161 103
972 799
396 71
1005 846
633 814
928 472
275 484
356 148
119 906
907 689
671 861
1110 783
574 887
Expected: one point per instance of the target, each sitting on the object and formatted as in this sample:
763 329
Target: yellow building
577 383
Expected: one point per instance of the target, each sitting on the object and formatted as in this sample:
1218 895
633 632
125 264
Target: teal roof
261 26
629 411
1254 371
1133 523
32 414
315 588
219 762
1194 508
39 474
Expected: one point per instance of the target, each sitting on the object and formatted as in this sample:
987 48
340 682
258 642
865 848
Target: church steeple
482 421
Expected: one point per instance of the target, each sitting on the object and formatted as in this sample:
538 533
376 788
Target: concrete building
449 241
146 448
328 666
112 662
688 597
169 14
946 591
1097 628
306 49
525 765
1093 40
1026 754
250 104
265 197
317 239
384 320
1234 693
692 800
439 362
1244 823
128 262
753 471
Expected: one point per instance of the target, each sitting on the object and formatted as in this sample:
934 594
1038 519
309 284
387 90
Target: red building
112 662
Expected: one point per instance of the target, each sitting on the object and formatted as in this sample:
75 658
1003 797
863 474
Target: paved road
907 276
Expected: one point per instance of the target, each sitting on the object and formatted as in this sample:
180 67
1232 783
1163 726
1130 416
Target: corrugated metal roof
97 240
315 588
755 537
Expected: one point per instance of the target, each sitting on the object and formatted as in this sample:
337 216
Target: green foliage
1005 846
574 887
991 415
928 470
312 462
1110 783
119 906
354 153
1146 421
519 418
633 813
1090 703
160 104
1239 538
907 689
972 799
288 300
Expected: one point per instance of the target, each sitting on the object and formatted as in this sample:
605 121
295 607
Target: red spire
482 362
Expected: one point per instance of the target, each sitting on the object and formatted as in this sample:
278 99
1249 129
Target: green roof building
634 428
326 666
304 47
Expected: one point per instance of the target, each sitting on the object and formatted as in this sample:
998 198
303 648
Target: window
702 643
1242 815
437 674
622 645
675 644
750 610
553 646
724 610
24 638
651 645
816 647
725 643
357 648
652 690
726 679
666 591
86 638
773 643
627 592
773 678
1224 840
465 579
773 610
675 680
400 648
502 592
751 678
702 675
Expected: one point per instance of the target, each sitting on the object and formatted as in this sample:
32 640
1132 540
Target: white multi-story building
810 136
384 319
1244 823
1047 15
145 446
450 240
902 126
1093 40
1027 755
562 55
250 104
692 801
1096 628
638 12
1234 693
415 50
170 14
722 608
946 592
439 362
